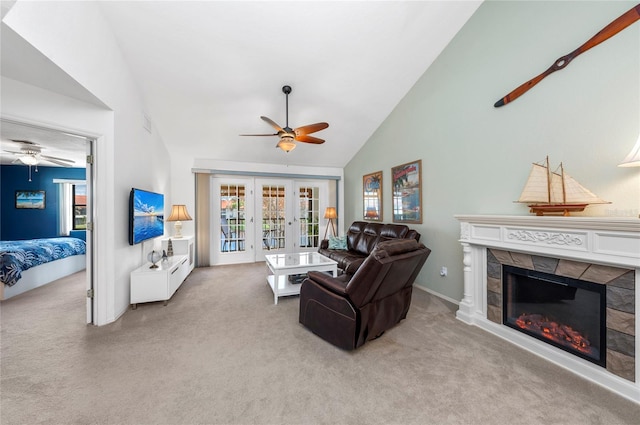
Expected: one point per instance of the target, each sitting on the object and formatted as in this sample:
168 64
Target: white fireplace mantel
609 241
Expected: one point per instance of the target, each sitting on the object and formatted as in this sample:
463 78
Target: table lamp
178 214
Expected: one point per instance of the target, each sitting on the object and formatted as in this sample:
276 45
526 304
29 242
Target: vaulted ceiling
208 70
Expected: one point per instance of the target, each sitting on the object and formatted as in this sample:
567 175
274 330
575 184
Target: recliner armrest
337 285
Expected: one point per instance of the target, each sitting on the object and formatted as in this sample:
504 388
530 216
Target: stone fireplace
563 288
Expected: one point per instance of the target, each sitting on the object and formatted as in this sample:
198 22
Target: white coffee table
283 265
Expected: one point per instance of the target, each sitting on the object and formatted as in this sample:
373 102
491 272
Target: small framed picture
407 192
372 196
30 199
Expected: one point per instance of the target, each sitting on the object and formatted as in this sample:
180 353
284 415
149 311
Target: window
79 206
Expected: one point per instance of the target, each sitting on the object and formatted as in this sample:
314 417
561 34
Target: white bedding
43 274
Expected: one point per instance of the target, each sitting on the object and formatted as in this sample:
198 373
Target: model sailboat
555 192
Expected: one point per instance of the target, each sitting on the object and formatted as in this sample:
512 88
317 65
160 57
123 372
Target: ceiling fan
288 136
30 154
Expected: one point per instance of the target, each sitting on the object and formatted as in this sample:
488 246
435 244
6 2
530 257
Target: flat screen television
146 215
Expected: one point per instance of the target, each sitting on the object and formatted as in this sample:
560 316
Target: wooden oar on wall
607 32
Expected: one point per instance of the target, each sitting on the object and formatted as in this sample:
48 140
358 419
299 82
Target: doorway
55 149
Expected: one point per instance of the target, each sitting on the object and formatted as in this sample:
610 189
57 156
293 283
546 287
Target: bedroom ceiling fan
30 154
288 136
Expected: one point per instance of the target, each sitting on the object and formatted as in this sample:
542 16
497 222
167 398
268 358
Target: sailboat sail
547 191
537 187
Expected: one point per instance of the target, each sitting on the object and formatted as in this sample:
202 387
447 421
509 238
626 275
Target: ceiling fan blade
13 152
66 163
275 134
25 142
47 157
309 139
272 124
311 128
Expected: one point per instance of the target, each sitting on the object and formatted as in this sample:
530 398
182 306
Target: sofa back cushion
393 231
362 237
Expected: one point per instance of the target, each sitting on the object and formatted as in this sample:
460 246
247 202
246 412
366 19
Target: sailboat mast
548 181
564 193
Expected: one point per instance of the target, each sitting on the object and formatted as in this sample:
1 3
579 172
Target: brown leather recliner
349 310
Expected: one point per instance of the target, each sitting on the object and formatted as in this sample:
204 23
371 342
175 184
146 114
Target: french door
232 230
255 217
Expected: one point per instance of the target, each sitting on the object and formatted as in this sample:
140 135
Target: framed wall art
30 199
372 196
407 192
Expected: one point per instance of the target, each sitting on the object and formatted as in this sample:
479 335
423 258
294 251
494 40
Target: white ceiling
209 69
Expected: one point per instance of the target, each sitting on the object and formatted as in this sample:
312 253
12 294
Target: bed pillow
338 242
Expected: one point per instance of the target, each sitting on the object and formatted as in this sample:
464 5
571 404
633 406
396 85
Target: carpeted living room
221 352
320 212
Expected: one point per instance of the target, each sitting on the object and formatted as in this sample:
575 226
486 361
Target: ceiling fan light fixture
286 143
29 159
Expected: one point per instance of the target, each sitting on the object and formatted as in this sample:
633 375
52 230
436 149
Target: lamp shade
633 159
330 212
179 213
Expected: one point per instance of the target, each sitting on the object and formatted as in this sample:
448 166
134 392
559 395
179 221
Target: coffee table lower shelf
285 288
282 266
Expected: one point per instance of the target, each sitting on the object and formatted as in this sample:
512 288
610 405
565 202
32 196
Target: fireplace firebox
567 313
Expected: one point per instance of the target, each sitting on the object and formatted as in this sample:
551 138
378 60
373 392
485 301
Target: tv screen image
146 215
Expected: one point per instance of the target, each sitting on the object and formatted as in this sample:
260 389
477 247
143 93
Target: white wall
475 157
75 37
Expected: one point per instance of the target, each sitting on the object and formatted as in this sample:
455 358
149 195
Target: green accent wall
476 158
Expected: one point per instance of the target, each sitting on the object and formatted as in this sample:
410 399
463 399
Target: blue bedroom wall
31 223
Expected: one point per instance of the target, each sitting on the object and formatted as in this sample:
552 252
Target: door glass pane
232 217
273 217
309 215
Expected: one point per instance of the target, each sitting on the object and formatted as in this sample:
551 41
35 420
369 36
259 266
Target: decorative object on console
179 214
407 192
607 32
288 136
154 257
549 192
169 248
164 256
372 196
330 214
30 199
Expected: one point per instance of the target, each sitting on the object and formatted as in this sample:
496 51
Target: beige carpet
222 353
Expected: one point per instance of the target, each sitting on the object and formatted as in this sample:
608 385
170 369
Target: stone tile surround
620 284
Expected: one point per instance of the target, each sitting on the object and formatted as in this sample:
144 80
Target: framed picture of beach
30 199
407 192
372 196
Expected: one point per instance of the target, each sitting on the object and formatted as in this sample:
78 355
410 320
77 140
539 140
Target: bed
28 264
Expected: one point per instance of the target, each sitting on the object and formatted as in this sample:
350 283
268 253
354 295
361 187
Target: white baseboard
437 294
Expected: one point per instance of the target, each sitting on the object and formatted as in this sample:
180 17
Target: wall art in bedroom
30 199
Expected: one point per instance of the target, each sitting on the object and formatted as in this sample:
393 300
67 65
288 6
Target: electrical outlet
443 271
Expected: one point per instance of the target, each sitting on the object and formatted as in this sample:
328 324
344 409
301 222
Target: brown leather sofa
349 310
362 238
